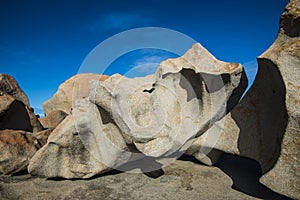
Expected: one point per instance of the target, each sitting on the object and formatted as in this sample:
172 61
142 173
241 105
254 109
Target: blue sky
43 43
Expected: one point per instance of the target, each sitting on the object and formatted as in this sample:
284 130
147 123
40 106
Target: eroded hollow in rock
16 118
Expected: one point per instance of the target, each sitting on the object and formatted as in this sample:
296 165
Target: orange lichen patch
81 84
20 138
76 87
290 84
103 77
42 136
292 48
230 66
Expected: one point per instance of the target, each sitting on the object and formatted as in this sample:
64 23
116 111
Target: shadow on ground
245 174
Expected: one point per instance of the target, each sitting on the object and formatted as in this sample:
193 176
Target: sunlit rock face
162 112
63 98
191 104
119 120
53 119
64 155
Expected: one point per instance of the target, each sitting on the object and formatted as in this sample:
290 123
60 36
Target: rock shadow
191 82
147 165
262 117
16 118
245 174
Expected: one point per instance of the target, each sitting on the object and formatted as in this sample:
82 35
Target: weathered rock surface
120 119
53 119
16 149
64 155
9 86
191 104
265 125
63 98
160 113
284 177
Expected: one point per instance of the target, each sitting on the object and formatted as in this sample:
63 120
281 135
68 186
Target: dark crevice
189 158
105 116
192 83
21 173
237 93
214 83
155 174
290 25
149 91
132 148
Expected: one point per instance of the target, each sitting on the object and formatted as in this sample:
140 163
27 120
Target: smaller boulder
53 119
73 88
64 155
16 149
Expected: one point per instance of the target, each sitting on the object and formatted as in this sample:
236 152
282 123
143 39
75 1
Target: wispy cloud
14 52
120 20
145 66
19 56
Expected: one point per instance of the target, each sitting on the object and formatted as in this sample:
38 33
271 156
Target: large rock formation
190 105
265 125
284 177
63 98
160 113
121 120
